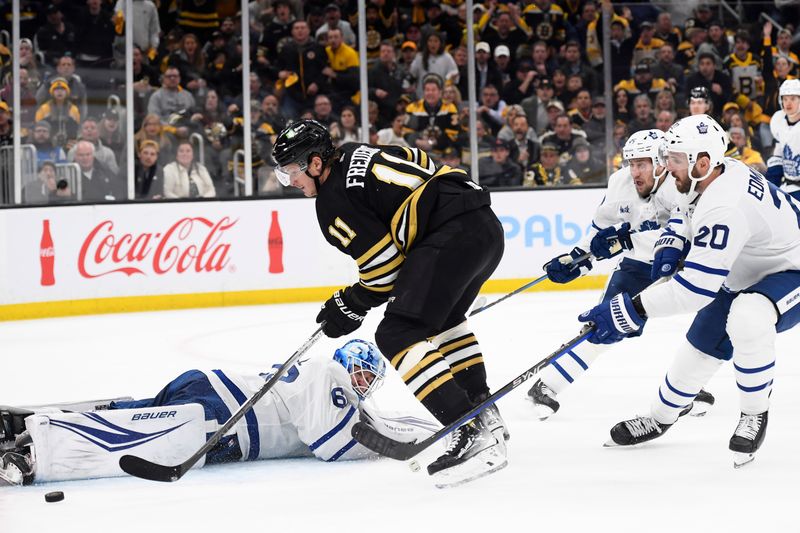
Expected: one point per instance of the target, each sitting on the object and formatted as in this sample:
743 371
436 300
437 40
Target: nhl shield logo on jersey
702 128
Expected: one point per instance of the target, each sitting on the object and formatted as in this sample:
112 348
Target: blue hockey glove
613 320
341 315
565 268
775 170
669 250
611 241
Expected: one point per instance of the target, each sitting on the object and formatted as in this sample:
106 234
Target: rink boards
132 257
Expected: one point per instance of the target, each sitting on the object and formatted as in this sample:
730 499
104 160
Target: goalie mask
296 144
693 136
365 364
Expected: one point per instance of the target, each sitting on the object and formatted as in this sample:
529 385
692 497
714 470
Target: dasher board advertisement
55 254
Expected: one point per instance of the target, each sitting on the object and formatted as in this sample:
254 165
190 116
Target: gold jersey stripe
446 348
421 395
380 271
377 247
429 357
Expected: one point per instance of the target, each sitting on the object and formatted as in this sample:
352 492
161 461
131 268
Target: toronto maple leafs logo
648 225
702 128
791 163
624 209
653 135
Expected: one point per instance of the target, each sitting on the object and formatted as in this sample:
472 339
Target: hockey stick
482 306
142 468
403 451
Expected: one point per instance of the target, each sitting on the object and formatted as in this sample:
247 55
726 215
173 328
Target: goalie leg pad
690 371
69 446
751 328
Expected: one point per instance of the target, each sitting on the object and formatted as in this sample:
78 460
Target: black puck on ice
56 496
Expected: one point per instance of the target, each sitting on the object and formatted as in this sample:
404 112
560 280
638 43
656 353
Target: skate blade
445 484
741 459
611 444
542 412
474 468
699 409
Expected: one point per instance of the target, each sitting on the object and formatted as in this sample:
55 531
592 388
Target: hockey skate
16 468
494 421
747 438
702 403
474 452
636 431
544 400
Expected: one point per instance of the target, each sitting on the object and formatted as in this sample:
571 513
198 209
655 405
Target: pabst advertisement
111 251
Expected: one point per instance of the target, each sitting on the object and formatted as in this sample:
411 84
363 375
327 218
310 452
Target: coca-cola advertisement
47 256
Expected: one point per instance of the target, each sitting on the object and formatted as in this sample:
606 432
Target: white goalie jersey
743 230
647 216
787 150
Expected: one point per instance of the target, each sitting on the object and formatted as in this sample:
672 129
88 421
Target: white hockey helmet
695 135
788 88
646 144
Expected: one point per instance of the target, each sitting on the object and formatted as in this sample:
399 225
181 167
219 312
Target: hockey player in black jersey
425 240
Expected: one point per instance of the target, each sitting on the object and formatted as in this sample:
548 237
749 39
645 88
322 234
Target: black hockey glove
341 315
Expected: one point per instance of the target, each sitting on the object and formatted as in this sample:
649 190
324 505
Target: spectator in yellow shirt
342 73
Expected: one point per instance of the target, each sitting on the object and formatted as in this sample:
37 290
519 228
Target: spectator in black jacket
498 170
523 85
149 176
386 83
95 34
56 37
717 82
300 64
98 184
486 73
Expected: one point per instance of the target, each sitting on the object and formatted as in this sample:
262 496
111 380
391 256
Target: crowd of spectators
541 101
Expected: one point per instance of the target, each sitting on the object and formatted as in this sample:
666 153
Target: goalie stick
403 451
142 468
481 305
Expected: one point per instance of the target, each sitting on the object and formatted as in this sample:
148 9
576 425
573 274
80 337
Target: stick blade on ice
144 469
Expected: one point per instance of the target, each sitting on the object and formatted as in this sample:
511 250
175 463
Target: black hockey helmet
297 143
699 93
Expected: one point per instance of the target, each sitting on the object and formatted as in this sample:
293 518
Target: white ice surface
560 478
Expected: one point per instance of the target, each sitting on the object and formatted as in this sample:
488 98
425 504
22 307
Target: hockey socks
460 349
571 365
751 328
690 370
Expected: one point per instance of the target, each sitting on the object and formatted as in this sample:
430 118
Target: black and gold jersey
443 117
745 75
377 202
548 25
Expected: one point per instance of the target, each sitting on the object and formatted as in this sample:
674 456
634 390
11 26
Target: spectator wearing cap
278 28
61 113
170 97
43 189
27 59
145 25
95 34
646 48
535 106
491 108
65 69
393 135
717 82
300 65
431 124
739 148
45 150
554 110
595 127
642 114
451 156
665 119
621 50
581 113
98 184
525 149
499 170
199 17
717 43
744 68
441 22
666 69
563 135
666 30
434 60
702 17
523 84
504 31
486 72
502 59
333 19
573 64
148 174
686 53
386 82
111 134
583 168
548 171
546 20
643 82
90 132
56 37
342 73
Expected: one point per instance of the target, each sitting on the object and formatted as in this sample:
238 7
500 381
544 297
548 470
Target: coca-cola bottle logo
191 244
